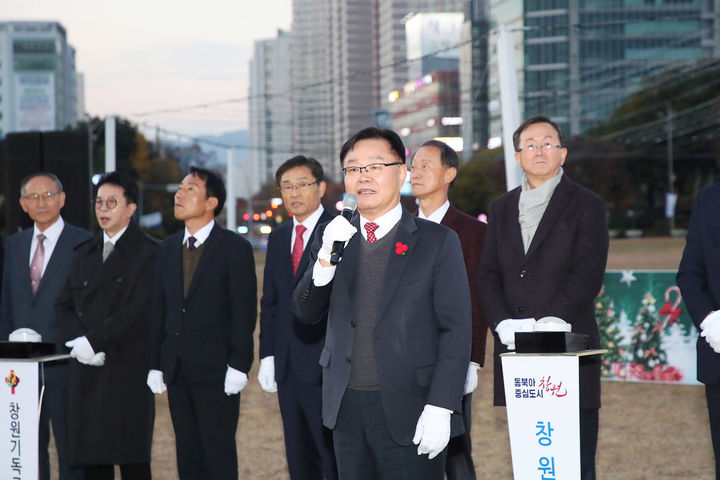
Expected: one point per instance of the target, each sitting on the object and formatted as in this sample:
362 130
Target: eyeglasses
300 186
35 197
110 203
546 147
374 169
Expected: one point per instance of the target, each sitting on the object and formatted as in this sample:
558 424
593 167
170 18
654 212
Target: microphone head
350 202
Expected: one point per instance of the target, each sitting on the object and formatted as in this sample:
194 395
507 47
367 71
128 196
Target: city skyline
159 57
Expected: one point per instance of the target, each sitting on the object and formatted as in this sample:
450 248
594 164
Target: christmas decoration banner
645 328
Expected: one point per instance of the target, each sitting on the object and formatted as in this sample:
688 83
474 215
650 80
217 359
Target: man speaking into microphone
399 323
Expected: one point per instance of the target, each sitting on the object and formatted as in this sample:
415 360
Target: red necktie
297 250
371 227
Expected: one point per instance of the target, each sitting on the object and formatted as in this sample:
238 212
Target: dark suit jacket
560 275
422 338
699 274
110 407
472 238
20 308
212 327
281 334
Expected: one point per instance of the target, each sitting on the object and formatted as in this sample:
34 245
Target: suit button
85 283
347 359
520 309
177 334
353 323
523 273
80 314
118 280
183 310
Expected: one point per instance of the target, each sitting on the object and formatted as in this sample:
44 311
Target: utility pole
670 196
509 103
109 144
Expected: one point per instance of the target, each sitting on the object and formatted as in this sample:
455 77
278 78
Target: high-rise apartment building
582 59
351 70
38 83
312 82
474 75
270 109
391 56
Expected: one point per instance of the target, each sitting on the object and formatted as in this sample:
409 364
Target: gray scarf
532 205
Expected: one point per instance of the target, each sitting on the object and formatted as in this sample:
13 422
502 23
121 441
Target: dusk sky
140 56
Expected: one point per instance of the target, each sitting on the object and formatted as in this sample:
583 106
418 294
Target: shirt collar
310 221
385 222
438 214
201 235
113 240
51 233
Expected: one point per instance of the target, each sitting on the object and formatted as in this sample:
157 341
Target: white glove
81 349
266 374
235 381
710 330
471 380
155 382
552 324
98 360
432 432
507 328
338 230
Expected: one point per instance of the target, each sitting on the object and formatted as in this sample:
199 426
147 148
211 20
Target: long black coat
111 409
699 275
560 275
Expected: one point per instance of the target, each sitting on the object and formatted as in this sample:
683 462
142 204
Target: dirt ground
646 431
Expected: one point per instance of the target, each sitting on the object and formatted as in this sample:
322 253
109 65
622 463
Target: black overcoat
111 409
560 275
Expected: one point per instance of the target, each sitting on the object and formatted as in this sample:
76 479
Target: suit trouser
308 444
205 421
589 421
128 471
55 409
459 459
712 395
365 450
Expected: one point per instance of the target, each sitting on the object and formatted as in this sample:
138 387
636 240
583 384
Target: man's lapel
305 259
558 202
62 248
24 259
397 262
514 236
210 248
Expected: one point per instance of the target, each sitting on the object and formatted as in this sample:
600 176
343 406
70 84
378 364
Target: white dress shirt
52 234
201 235
114 239
386 222
437 215
309 225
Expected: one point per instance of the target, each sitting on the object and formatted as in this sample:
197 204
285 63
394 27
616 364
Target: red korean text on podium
543 410
21 367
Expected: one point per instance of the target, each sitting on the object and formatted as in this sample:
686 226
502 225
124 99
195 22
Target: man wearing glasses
104 313
38 261
290 350
399 327
545 255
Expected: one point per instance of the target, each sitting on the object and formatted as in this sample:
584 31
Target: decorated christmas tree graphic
610 337
648 358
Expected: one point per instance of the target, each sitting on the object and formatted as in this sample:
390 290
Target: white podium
543 410
20 402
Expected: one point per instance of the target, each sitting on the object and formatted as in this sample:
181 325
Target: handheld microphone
349 206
